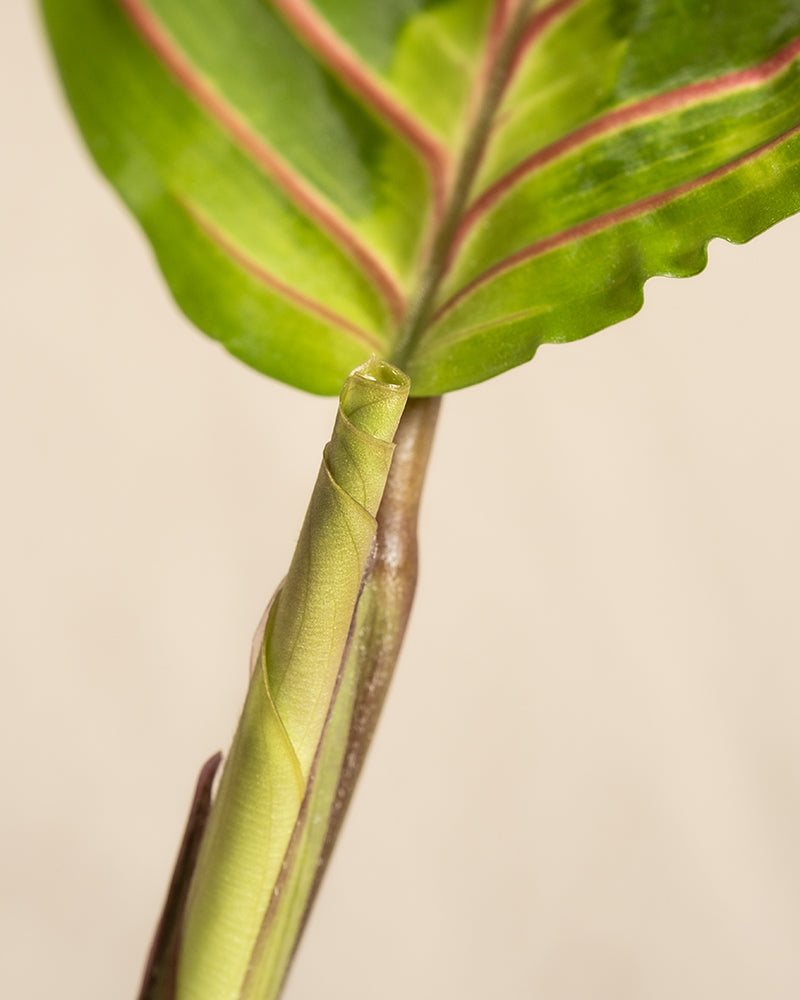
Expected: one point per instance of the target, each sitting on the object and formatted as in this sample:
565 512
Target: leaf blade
607 297
350 165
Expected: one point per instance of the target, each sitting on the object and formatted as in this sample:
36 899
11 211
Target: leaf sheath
290 696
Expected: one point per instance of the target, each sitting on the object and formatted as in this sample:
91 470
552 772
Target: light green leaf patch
446 183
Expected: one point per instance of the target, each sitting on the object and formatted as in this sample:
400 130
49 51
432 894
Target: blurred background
587 782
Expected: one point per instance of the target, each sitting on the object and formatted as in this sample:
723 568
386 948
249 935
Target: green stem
332 637
376 636
386 600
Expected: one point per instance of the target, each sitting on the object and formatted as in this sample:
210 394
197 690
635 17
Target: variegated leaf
448 183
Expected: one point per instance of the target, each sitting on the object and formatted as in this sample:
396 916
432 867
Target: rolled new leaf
291 694
376 636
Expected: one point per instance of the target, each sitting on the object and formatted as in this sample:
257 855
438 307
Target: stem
376 636
385 605
233 924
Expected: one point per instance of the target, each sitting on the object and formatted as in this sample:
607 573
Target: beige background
587 782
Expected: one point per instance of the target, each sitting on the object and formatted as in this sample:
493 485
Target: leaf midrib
510 24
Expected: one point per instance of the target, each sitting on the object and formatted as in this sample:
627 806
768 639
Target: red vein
494 36
539 23
504 11
498 25
321 38
299 191
606 221
507 25
309 305
631 114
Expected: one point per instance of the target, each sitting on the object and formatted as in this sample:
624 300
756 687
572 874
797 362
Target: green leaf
446 183
253 875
